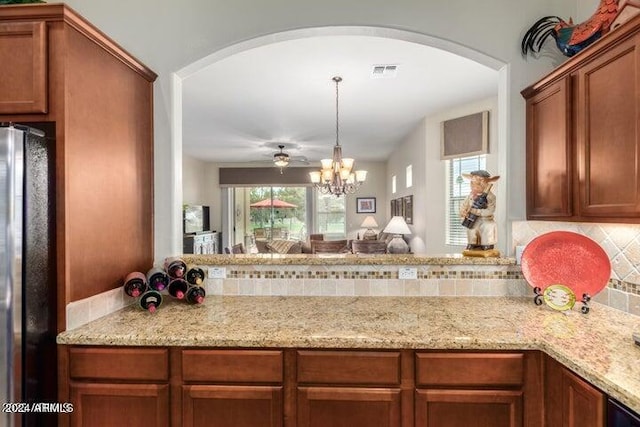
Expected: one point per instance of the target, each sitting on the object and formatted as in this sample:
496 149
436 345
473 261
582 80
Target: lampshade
397 227
369 222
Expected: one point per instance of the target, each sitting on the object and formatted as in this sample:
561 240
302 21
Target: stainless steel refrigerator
27 270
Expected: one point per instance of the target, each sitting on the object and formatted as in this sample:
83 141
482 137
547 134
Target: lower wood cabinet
107 405
352 388
459 389
463 408
348 407
570 401
110 385
322 388
233 405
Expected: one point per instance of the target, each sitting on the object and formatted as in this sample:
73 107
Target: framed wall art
407 209
365 205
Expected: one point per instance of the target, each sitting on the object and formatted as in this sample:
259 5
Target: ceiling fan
281 160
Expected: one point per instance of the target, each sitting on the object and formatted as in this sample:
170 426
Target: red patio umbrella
272 203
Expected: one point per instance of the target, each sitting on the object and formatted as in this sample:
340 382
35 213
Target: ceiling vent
384 71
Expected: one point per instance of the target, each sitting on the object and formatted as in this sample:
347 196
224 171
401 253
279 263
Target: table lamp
397 227
369 223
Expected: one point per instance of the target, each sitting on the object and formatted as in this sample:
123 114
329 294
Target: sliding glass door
264 214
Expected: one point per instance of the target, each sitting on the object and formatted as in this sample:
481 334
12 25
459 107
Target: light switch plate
217 273
407 273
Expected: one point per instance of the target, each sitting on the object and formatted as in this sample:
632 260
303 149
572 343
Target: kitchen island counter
597 346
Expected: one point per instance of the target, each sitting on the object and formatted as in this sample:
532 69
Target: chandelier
337 176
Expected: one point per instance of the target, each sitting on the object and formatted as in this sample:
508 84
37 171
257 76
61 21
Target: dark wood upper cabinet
23 86
583 139
549 153
95 101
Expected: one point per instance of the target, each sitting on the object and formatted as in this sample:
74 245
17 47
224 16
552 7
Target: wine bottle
177 288
150 300
175 267
195 295
135 284
480 202
157 279
195 275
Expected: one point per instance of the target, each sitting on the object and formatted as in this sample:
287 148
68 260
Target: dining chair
328 246
238 249
369 247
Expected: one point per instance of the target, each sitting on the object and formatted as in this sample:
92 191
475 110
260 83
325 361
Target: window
330 216
409 176
458 189
268 213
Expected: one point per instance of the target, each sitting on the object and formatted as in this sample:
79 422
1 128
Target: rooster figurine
570 38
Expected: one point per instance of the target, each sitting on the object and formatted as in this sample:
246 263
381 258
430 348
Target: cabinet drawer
232 366
349 367
140 364
469 369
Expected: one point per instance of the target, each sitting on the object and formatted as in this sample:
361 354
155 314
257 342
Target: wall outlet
217 273
407 273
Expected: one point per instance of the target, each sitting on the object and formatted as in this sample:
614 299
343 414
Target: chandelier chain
337 80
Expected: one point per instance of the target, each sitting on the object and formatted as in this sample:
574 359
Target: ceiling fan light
282 162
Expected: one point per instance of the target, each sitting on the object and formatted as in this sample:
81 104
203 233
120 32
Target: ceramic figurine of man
477 212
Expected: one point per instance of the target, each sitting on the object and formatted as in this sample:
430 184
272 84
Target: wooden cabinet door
232 406
23 55
608 136
463 408
549 153
348 407
98 405
583 404
569 400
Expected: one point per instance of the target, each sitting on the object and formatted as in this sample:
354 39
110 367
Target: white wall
421 148
412 152
167 36
200 186
374 186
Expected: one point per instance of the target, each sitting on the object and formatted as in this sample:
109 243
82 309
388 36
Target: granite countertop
597 346
344 259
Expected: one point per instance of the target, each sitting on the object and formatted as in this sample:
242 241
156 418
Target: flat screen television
195 219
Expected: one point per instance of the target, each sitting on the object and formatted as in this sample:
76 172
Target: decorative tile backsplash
621 242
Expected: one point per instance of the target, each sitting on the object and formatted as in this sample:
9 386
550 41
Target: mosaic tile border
632 288
372 275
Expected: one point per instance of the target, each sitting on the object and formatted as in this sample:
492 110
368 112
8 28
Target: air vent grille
388 71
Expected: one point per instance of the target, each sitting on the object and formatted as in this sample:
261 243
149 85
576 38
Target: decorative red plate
566 258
